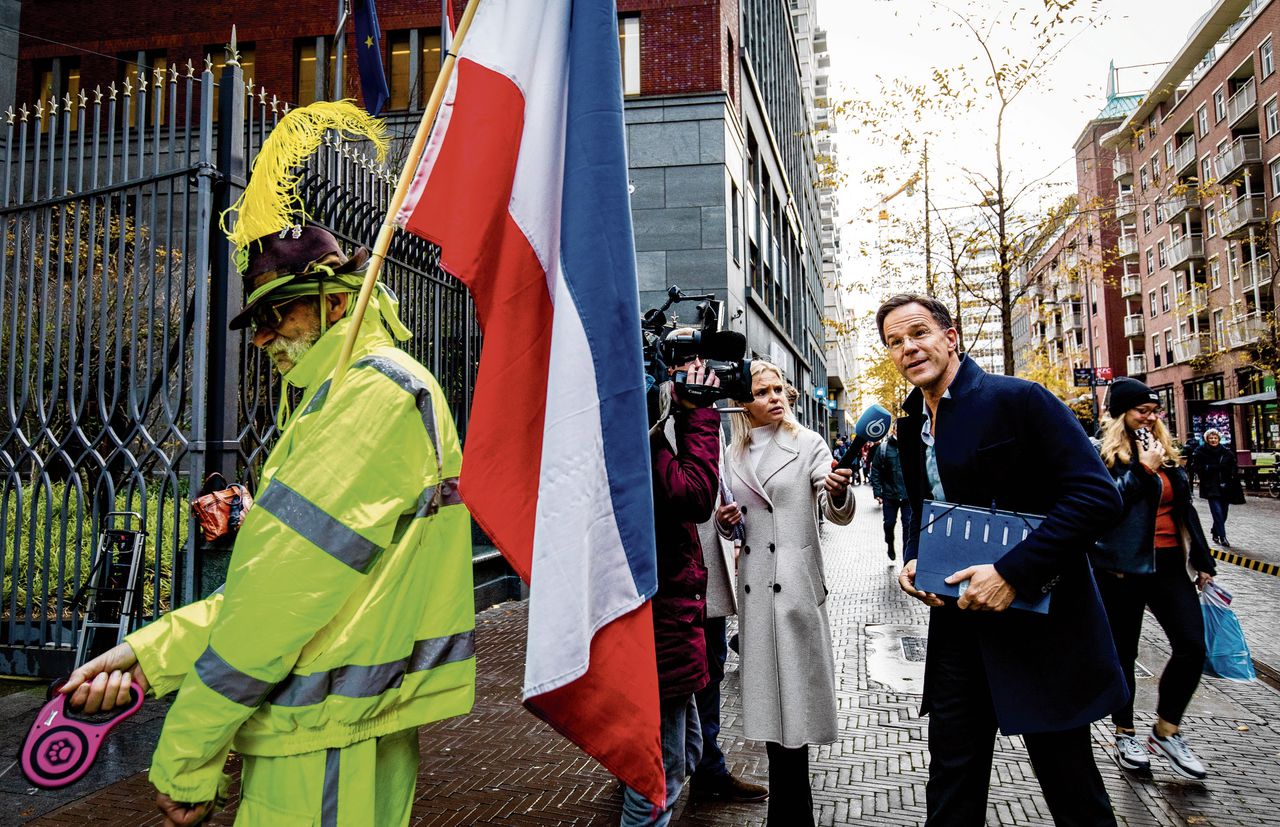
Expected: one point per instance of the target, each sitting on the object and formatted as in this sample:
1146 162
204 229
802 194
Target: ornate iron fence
121 384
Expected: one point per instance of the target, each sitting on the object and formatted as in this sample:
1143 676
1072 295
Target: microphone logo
877 429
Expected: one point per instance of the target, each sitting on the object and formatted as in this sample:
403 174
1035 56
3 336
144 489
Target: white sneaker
1130 754
1174 748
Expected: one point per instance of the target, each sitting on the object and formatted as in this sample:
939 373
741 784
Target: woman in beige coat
781 476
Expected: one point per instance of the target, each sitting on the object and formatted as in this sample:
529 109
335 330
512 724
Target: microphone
872 425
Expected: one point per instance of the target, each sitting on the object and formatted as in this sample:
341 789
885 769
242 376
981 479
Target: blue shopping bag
1227 655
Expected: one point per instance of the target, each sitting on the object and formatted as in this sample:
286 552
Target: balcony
1131 286
1195 301
1173 207
1135 364
1242 103
1239 214
1256 273
1184 157
1052 330
1244 151
1126 205
1120 168
1127 245
1184 251
1194 345
1246 329
1072 320
1134 326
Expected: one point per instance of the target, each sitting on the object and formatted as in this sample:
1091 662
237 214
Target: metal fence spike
142 80
97 95
191 69
23 110
39 110
111 90
275 104
128 88
208 63
9 113
173 74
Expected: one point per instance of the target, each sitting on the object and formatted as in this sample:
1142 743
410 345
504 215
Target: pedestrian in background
781 475
1219 481
1144 562
890 490
1188 455
998 442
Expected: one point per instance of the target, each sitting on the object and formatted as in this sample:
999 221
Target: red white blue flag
523 184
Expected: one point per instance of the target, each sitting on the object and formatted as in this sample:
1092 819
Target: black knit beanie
1129 393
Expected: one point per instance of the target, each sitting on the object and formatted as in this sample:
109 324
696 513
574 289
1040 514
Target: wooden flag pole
388 229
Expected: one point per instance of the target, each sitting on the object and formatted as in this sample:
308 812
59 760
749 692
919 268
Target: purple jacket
685 483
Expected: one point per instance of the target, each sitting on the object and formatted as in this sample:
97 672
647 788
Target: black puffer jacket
1218 471
1130 545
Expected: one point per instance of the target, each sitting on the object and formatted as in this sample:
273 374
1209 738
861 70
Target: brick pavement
502 766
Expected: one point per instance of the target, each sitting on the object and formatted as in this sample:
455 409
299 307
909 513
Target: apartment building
1197 167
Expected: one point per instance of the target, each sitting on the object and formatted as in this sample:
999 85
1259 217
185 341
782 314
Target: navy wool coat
1011 444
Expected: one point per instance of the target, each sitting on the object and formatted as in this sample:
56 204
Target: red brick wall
683 43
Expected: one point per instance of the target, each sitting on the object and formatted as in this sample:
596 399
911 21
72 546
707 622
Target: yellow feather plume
270 202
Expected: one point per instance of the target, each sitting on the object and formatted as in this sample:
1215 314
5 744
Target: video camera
673 342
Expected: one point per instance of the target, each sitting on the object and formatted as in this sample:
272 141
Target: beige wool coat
788 668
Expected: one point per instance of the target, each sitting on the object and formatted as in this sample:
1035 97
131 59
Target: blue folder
954 537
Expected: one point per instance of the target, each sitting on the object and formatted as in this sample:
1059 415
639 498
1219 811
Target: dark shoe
728 788
733 643
892 554
1224 542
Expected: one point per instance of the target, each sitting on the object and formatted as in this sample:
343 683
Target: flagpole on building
340 51
388 229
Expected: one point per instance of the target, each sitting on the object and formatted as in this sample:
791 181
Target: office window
1266 58
1151 302
1206 169
313 85
1143 178
58 78
1164 297
1202 121
1142 139
1272 111
1211 220
1155 168
1275 177
1160 254
1168 154
1151 261
148 63
1219 104
411 80
218 55
1155 349
1215 273
1219 330
629 46
1146 219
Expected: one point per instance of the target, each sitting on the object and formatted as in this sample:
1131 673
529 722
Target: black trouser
891 510
790 798
962 732
1172 598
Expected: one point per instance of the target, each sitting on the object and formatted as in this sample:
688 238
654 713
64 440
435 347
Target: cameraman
685 448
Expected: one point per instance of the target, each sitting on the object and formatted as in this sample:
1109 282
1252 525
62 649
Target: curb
1272 569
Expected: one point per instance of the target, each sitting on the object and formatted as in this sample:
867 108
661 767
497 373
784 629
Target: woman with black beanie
1156 557
1219 480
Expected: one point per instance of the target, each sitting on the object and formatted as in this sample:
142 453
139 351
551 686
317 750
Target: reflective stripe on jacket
348 611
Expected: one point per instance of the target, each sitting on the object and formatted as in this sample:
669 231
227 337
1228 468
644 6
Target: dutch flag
523 184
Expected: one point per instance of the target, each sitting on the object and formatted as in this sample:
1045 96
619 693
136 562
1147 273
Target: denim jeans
681 749
708 701
1219 507
891 510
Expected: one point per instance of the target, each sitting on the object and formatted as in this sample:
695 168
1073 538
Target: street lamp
1093 368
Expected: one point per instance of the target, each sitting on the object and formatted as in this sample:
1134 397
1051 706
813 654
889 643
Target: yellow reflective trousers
367 783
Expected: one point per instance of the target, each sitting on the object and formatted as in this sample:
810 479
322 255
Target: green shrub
40 521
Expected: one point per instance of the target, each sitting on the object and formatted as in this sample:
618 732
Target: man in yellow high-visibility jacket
347 616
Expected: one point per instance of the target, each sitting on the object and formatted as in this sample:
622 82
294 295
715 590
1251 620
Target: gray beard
286 353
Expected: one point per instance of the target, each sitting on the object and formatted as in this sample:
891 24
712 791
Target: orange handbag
221 511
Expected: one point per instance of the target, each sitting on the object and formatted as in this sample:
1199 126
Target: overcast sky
907 38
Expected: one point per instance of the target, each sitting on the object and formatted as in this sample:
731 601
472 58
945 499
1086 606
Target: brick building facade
720 139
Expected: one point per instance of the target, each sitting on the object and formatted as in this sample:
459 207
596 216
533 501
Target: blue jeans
1219 507
681 749
708 700
891 511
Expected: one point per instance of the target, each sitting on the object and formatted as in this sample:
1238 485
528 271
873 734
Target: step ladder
113 590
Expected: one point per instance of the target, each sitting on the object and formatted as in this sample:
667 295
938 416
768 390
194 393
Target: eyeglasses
271 316
898 344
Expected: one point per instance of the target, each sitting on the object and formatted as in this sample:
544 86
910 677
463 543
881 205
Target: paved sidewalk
500 765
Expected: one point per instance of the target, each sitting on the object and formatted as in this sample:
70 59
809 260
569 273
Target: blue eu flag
373 81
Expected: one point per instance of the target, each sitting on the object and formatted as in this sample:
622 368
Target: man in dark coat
995 441
685 449
890 490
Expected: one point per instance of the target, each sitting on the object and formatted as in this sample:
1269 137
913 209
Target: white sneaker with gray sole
1130 753
1180 756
